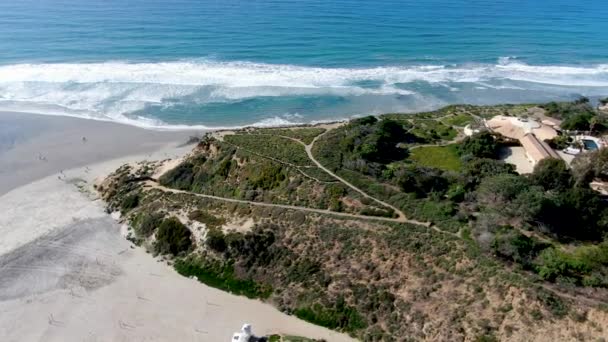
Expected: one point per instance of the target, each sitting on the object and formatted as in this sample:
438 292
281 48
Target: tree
577 213
497 192
422 181
552 174
564 110
560 142
589 166
510 244
172 237
380 145
578 122
477 169
480 145
366 120
216 240
529 204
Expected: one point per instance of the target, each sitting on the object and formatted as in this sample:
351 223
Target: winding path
401 218
400 215
154 185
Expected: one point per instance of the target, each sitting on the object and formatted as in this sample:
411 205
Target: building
530 133
536 149
516 128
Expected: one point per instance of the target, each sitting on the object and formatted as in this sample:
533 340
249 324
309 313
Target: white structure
469 130
244 335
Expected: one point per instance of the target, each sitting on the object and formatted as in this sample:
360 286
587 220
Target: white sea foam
108 91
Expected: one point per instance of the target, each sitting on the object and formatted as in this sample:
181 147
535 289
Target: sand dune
67 273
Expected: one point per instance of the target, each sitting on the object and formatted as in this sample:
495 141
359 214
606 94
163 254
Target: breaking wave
123 91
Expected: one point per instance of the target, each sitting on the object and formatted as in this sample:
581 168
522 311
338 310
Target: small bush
172 237
553 303
221 277
216 240
206 218
129 202
340 316
148 223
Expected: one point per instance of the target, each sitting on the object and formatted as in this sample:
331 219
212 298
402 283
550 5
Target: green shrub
510 244
564 110
578 122
560 142
129 202
172 237
553 303
270 146
585 265
303 270
270 177
552 174
480 145
306 135
476 169
216 240
206 218
180 177
148 223
221 276
422 181
340 316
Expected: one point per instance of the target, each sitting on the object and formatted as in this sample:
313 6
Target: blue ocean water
218 63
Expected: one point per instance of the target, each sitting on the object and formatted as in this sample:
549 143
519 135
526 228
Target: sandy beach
67 273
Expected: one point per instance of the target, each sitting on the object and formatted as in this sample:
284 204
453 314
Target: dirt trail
401 218
400 214
155 185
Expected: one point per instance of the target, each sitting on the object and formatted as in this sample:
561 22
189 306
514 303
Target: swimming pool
590 144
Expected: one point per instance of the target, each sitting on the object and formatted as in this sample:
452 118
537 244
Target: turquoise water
590 145
267 62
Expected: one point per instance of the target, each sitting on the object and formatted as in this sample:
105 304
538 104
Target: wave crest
110 90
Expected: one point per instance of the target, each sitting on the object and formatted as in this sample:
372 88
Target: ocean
229 63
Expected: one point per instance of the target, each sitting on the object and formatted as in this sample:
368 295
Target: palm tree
593 122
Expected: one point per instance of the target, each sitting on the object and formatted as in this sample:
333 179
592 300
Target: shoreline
40 145
66 267
184 127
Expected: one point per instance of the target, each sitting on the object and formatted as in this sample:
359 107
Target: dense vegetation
225 169
271 146
382 281
482 145
306 135
172 237
578 115
500 207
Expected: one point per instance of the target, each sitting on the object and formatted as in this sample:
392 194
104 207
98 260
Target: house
530 133
515 127
536 149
